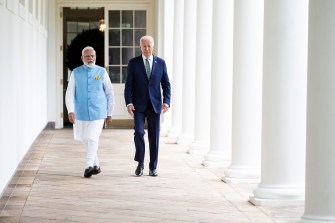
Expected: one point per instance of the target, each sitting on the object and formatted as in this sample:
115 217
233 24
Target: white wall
23 94
54 75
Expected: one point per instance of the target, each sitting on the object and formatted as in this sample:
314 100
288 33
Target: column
177 84
202 78
166 9
187 134
284 103
221 84
247 92
320 165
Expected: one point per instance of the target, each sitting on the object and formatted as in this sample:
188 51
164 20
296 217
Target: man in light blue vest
90 102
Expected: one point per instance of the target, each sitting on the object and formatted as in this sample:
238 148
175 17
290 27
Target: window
125 28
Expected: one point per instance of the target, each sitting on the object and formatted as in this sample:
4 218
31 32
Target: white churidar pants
88 132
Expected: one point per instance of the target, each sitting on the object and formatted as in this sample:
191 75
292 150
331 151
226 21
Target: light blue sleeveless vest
90 99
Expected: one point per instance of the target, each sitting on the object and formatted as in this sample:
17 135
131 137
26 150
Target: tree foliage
91 37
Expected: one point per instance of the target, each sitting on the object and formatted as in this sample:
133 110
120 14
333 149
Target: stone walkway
49 187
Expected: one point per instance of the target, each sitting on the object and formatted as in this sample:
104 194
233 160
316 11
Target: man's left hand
165 107
108 120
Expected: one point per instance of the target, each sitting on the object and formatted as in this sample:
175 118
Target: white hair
87 48
150 38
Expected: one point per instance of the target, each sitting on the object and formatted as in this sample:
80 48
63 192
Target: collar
150 58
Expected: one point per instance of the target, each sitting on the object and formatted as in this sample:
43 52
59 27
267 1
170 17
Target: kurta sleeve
109 94
70 93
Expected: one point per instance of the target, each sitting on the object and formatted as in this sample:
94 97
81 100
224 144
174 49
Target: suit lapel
142 66
153 65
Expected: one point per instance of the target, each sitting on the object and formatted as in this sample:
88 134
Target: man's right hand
130 109
72 117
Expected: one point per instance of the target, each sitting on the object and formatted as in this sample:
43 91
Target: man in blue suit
146 77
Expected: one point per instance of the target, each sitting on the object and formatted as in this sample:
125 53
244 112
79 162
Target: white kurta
81 129
88 132
84 130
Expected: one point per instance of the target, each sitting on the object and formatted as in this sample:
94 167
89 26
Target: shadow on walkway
49 186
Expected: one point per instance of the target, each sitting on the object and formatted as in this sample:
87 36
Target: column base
173 132
260 202
163 133
217 159
168 140
228 180
185 139
242 174
275 195
316 219
164 129
198 147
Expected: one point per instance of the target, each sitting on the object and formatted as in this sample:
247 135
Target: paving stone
49 186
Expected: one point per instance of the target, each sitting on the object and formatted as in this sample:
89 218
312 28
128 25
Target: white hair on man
150 38
87 48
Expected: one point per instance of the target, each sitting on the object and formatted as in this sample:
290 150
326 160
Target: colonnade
253 90
247 92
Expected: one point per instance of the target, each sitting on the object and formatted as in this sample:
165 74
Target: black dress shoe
88 172
153 173
139 169
96 170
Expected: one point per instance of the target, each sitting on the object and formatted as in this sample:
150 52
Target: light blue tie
147 68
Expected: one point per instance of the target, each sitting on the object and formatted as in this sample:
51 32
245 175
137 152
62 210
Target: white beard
92 64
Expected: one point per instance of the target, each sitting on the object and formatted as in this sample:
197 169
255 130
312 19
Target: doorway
124 28
81 27
115 45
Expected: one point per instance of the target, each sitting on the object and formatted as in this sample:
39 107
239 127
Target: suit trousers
153 120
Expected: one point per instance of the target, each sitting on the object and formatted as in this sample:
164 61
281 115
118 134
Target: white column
202 78
320 165
190 17
166 34
221 83
177 84
284 103
247 92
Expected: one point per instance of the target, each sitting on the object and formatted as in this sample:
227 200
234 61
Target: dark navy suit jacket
139 90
